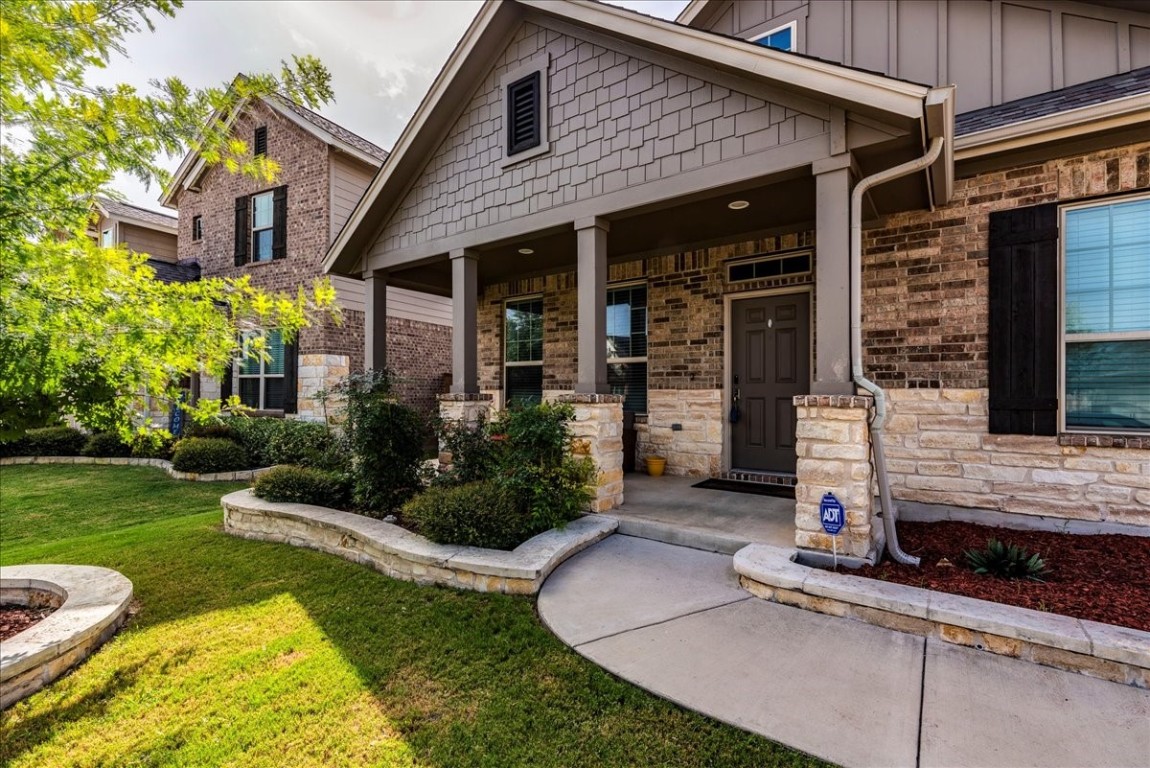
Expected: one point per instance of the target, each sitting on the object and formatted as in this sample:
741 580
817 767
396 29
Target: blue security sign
831 514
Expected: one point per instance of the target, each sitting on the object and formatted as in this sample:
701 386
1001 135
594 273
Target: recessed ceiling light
527 251
738 205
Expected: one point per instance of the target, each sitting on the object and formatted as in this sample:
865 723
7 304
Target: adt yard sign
831 514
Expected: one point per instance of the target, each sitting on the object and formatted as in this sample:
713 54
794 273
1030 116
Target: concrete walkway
674 621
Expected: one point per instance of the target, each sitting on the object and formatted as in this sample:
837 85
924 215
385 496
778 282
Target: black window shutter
242 233
261 141
291 361
1024 338
226 384
279 222
523 114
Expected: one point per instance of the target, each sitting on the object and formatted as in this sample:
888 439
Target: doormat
758 489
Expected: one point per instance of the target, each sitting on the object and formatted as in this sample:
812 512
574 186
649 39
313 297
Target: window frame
1063 428
108 236
263 375
793 26
253 229
646 332
197 228
539 64
521 363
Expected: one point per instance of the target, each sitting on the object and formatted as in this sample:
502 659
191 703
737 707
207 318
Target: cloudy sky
382 55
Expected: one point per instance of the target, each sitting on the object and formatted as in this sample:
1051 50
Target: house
233 225
793 236
142 231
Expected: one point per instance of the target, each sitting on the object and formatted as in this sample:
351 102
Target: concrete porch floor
668 509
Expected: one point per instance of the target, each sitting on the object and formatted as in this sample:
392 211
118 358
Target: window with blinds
627 345
260 374
1106 315
523 352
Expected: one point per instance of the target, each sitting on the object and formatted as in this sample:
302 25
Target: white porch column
375 321
832 276
591 238
464 334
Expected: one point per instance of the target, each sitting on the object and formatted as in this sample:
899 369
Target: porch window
523 351
261 381
627 345
1106 300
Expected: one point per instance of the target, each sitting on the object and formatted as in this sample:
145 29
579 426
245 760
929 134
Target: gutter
889 513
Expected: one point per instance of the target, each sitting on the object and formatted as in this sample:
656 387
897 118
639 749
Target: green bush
211 429
106 445
55 441
15 447
304 485
205 455
481 514
474 455
385 438
1007 562
152 444
271 441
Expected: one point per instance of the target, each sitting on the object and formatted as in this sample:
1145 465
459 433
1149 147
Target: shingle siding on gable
615 121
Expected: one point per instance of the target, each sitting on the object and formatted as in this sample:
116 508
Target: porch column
375 321
591 238
832 276
464 336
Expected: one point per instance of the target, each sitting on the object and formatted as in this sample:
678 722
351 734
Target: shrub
386 440
205 455
14 447
301 442
210 429
1008 562
55 441
304 485
152 444
481 514
106 445
474 455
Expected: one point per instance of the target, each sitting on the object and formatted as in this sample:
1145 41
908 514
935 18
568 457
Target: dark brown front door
770 364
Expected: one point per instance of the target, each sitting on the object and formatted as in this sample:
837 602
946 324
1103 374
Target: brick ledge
834 401
1104 441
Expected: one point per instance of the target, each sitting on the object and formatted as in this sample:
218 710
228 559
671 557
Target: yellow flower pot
656 465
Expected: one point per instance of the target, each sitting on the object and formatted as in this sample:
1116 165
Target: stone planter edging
1119 654
95 605
401 554
164 464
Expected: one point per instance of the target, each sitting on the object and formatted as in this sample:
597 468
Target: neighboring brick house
663 216
143 231
232 226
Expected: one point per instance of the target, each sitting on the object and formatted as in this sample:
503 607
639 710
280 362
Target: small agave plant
1008 562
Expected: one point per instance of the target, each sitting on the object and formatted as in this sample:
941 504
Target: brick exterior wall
616 121
419 352
925 275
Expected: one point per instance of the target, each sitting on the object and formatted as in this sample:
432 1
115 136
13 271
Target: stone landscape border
401 554
1118 654
93 603
164 464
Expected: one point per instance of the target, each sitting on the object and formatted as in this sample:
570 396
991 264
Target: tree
84 329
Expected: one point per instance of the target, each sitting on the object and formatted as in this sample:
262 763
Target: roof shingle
115 208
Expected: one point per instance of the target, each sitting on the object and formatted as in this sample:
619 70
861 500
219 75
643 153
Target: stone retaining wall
939 451
164 464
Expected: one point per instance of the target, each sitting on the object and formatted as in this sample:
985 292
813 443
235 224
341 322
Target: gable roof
134 214
192 167
864 92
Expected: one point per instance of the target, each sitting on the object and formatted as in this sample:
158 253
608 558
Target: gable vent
523 114
261 141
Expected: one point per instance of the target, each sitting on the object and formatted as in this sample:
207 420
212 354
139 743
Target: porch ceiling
783 205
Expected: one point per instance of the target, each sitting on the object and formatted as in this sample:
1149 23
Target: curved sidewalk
675 622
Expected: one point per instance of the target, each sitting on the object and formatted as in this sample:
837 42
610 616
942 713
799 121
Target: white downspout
889 515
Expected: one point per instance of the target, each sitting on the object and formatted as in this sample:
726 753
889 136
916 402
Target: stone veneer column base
467 409
598 434
320 373
833 450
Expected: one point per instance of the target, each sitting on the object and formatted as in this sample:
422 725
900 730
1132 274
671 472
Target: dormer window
261 141
781 38
523 114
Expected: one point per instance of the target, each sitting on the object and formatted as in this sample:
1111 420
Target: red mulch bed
1100 578
17 618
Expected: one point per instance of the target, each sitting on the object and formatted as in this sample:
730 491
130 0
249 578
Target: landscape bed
14 619
1101 578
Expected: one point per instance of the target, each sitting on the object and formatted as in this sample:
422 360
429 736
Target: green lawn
255 654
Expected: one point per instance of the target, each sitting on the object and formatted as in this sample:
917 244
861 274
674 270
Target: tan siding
402 303
616 122
1041 45
349 178
158 245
